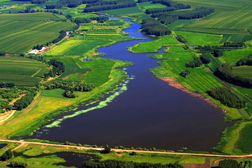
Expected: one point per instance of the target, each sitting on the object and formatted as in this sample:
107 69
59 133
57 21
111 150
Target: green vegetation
153 46
244 142
226 97
25 73
20 32
199 38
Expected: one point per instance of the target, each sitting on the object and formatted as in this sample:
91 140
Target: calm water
149 114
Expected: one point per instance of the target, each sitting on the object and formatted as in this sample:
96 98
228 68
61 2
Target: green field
21 71
245 139
20 32
230 17
200 38
175 49
123 11
244 71
234 56
76 47
149 5
153 46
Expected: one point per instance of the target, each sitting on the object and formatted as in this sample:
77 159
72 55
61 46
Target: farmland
83 65
24 71
76 47
20 32
200 38
244 71
153 46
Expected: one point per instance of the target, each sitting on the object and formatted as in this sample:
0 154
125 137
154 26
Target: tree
20 164
107 149
228 163
205 58
7 155
69 94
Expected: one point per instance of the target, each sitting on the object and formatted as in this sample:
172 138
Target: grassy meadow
153 46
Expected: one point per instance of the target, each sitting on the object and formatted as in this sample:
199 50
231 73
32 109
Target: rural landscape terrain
126 83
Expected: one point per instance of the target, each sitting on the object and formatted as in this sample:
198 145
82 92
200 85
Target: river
148 114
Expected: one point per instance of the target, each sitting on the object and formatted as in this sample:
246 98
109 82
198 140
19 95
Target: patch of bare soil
79 75
206 165
227 86
209 70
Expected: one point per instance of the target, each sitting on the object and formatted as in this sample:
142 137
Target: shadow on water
149 113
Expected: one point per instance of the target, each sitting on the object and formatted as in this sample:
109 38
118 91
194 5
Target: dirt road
22 142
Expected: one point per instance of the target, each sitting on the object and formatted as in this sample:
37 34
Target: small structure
37 51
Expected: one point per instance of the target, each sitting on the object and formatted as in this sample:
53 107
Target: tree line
128 164
225 46
34 1
120 4
82 87
226 97
225 73
26 100
154 27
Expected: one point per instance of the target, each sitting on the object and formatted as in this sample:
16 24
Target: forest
225 73
154 27
226 97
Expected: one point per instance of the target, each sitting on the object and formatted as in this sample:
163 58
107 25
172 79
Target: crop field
200 38
72 68
123 11
19 34
153 46
234 56
198 80
230 17
244 71
21 70
240 38
100 70
109 31
149 5
76 47
175 49
245 139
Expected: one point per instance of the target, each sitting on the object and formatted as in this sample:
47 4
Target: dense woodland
58 68
109 5
122 164
25 100
154 27
226 97
225 73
